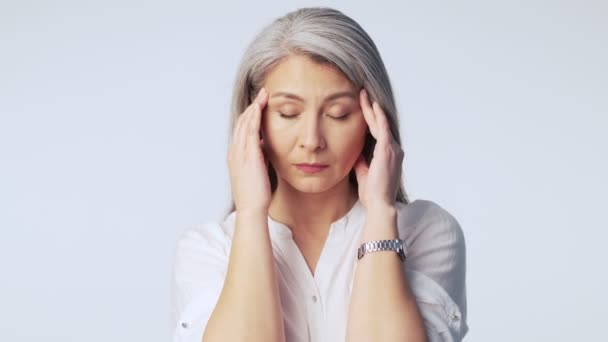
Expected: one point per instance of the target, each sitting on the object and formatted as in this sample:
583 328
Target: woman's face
304 123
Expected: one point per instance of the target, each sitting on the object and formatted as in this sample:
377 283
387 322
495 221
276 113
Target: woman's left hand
379 181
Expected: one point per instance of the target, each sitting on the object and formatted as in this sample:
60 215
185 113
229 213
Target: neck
311 214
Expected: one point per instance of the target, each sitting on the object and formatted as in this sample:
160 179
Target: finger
368 113
254 120
384 130
257 114
252 135
235 132
241 129
240 126
262 97
263 149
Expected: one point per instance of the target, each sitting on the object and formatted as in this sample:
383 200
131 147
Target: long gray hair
327 36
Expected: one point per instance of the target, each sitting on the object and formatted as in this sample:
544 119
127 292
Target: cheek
349 143
277 126
274 141
352 148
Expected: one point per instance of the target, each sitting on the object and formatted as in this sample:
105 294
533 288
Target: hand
247 162
379 181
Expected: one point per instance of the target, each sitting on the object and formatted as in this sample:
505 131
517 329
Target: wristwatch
396 245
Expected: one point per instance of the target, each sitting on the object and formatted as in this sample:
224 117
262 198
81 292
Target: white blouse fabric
315 308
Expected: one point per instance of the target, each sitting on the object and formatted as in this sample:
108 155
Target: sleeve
200 266
436 269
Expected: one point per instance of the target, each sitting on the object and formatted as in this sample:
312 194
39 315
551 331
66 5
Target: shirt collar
337 229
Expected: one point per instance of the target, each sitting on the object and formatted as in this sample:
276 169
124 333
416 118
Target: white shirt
315 308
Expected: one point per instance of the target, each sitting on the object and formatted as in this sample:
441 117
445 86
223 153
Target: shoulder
210 230
427 220
209 237
207 232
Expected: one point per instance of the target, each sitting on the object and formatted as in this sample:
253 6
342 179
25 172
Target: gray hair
327 36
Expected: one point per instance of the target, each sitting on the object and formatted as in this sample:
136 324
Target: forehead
305 77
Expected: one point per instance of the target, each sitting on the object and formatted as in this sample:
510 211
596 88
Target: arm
249 306
250 284
382 306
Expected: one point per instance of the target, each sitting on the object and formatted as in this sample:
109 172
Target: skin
316 130
308 204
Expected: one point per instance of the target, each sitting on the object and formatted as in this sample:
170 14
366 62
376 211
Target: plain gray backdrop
114 127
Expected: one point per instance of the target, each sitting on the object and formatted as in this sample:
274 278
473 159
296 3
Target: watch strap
397 245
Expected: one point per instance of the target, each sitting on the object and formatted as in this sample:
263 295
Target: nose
311 136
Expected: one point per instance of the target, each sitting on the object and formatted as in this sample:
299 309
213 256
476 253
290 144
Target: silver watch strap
396 245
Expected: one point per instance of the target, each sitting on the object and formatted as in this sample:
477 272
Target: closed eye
287 116
343 117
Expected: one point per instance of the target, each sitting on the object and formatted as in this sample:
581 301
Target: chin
312 189
311 185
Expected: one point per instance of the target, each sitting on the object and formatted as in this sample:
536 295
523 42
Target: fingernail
364 92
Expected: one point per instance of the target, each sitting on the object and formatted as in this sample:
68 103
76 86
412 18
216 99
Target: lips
311 168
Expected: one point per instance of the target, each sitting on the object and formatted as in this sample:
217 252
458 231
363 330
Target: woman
322 243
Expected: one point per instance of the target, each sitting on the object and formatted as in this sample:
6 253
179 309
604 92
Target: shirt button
184 325
455 317
314 299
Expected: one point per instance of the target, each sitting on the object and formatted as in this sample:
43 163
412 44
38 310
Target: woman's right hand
247 162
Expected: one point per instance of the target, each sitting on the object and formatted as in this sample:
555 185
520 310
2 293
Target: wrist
251 207
380 211
258 213
380 224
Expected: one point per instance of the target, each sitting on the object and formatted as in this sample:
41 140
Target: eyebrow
328 98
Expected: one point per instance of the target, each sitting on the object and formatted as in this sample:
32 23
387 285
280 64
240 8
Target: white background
114 125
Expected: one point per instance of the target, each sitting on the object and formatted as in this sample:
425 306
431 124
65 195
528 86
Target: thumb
361 169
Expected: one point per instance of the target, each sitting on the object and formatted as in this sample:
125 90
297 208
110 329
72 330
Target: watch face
402 253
